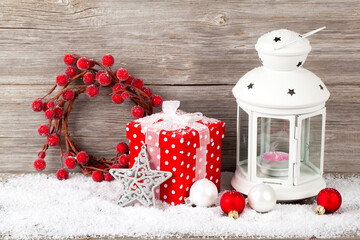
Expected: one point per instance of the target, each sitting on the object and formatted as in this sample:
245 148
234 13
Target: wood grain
191 51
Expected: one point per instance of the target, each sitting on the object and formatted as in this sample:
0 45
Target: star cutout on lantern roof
321 87
291 92
139 182
299 64
276 39
250 85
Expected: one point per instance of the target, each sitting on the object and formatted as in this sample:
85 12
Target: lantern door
273 148
310 135
243 140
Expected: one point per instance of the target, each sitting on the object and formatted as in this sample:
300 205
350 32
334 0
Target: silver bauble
262 198
203 193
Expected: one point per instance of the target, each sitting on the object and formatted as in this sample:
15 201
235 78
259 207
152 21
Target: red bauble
328 199
232 203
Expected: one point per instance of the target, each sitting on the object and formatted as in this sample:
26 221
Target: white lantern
281 120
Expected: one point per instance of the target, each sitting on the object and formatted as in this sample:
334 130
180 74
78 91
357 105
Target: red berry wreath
57 110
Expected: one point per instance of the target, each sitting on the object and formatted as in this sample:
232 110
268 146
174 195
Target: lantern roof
281 92
273 43
281 85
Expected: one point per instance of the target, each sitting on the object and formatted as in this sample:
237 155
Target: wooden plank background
193 51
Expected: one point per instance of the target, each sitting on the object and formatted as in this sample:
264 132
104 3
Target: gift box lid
160 130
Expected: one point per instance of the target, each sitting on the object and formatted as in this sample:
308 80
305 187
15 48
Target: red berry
50 105
89 78
71 71
122 148
122 74
138 83
91 63
125 95
53 140
97 176
39 164
62 80
69 59
59 112
129 80
101 166
62 174
49 114
156 101
116 166
118 87
42 154
45 107
92 91
116 98
70 162
44 130
82 63
37 105
148 91
67 154
137 112
108 177
104 79
82 157
68 95
108 60
124 161
97 76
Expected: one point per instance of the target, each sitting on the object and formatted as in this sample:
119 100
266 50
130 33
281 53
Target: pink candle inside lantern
275 156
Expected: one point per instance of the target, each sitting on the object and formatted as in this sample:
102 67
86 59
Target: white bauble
262 198
203 193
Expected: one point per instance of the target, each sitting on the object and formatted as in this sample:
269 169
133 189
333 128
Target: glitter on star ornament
139 182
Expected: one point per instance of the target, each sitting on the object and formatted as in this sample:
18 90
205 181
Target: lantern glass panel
310 149
243 139
273 148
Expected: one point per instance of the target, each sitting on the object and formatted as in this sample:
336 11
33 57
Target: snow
40 206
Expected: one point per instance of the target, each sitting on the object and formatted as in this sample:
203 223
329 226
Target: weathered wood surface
191 51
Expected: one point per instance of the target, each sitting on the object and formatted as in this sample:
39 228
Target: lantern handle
301 37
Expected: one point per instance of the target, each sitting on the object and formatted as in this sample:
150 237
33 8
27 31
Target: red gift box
188 145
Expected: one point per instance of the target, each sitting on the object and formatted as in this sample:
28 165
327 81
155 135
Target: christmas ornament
232 203
262 198
186 144
94 76
328 200
279 102
203 193
139 182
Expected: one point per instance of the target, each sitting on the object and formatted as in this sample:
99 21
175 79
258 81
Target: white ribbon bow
182 120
